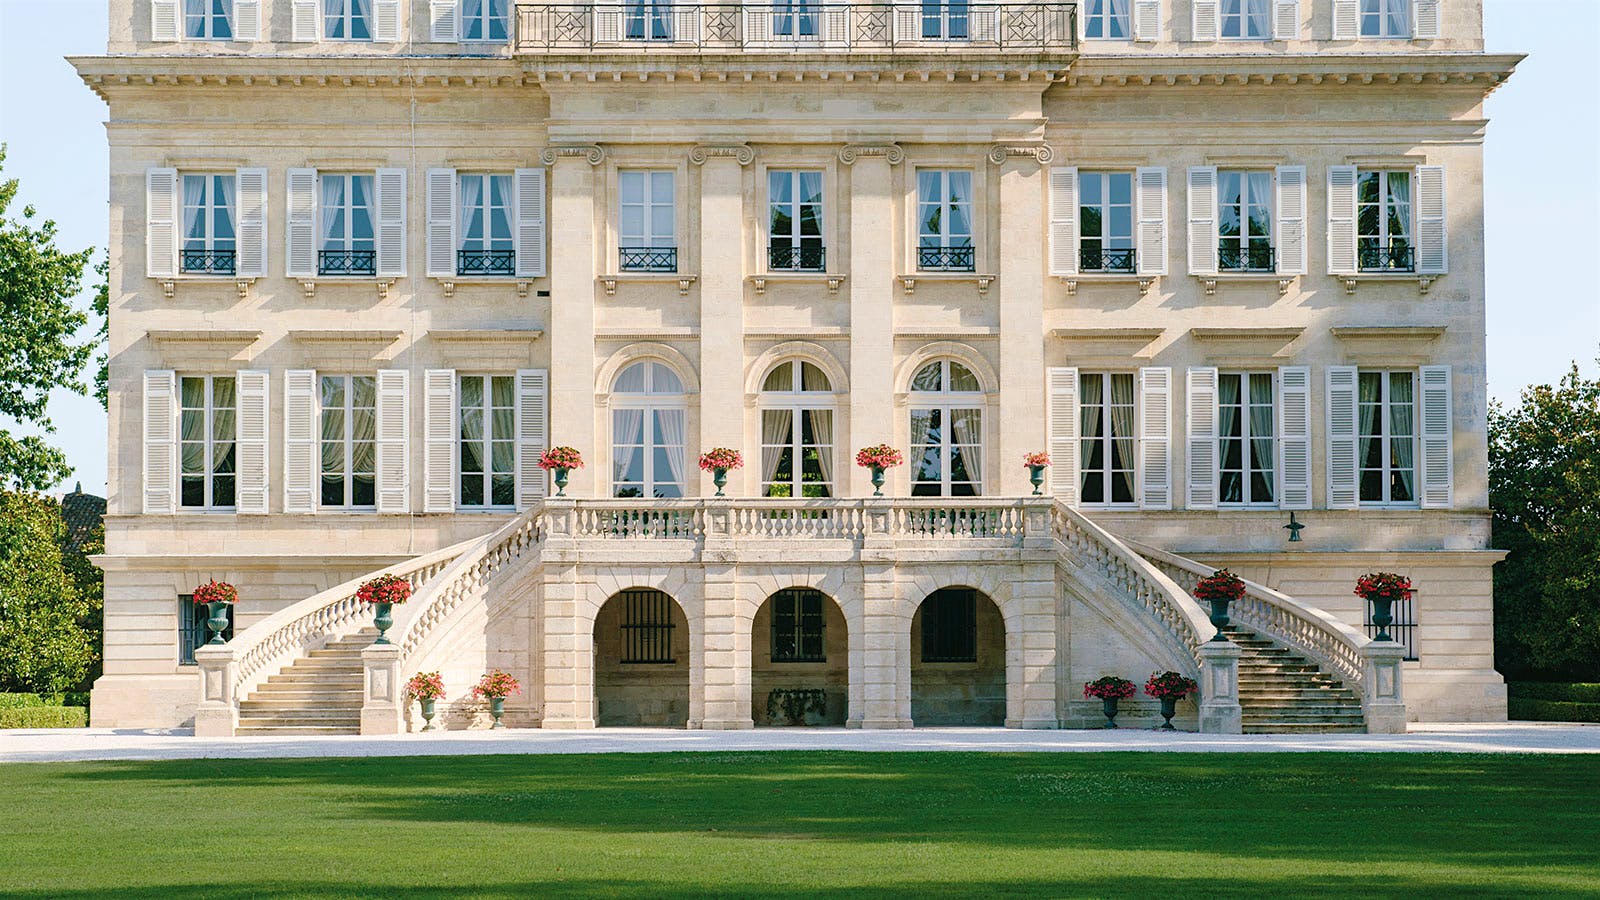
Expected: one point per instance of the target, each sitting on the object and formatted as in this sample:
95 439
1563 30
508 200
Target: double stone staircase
319 693
1283 692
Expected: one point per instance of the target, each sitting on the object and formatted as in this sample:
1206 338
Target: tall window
944 220
796 432
648 408
347 20
349 448
1387 417
485 228
1383 221
1245 404
1108 19
488 440
647 223
1105 222
349 243
209 243
1386 18
946 431
1106 435
794 221
797 624
207 432
1244 221
646 627
1247 19
944 20
485 20
193 633
208 20
950 626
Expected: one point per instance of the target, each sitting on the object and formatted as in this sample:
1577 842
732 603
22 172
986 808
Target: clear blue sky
1542 196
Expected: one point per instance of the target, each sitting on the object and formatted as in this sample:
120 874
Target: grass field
806 824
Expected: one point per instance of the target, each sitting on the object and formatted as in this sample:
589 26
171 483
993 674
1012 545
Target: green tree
1544 485
38 347
45 646
102 337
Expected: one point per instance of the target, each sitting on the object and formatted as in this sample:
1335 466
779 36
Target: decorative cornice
1041 153
1484 71
849 153
594 153
744 153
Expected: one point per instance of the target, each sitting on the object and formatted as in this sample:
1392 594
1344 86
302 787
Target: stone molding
594 153
999 154
743 153
849 153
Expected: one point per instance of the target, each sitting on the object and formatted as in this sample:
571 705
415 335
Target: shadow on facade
958 660
799 672
641 661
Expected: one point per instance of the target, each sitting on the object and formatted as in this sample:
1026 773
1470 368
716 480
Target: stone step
294 704
334 678
301 712
1308 728
335 663
348 724
309 692
1288 696
292 730
1297 712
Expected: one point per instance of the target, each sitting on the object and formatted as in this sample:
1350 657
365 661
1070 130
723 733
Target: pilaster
871 286
568 651
573 234
1021 307
722 249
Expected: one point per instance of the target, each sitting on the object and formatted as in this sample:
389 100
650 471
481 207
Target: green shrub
20 701
1552 711
1554 690
44 717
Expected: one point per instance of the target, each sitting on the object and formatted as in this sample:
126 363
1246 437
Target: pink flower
881 455
387 588
215 591
721 458
1037 458
426 686
561 458
496 684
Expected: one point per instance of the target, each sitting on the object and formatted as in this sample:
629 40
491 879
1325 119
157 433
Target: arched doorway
799 663
641 661
958 660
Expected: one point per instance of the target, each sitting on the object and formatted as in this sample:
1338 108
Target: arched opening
958 660
799 663
946 431
649 409
641 661
797 446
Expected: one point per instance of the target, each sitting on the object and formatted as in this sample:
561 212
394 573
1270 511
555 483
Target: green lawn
839 825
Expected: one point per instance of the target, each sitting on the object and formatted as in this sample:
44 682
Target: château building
1221 259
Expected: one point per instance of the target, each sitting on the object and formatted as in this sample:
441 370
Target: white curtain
225 188
627 438
822 432
1401 446
670 423
1122 431
1400 215
332 212
471 197
194 194
1122 23
967 432
1260 18
960 233
775 438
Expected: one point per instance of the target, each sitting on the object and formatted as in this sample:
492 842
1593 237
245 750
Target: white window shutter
530 192
300 228
391 222
439 417
386 20
1343 477
1203 220
300 433
251 200
1286 20
1346 20
1437 457
1432 253
1150 186
251 450
1147 20
1061 392
1155 438
441 201
162 212
164 20
533 434
1294 437
1203 448
1205 20
304 27
247 20
1064 220
160 441
1425 24
446 21
1341 220
394 429
1290 220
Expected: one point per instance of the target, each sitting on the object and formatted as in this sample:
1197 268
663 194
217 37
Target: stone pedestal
1382 703
1219 688
218 712
383 696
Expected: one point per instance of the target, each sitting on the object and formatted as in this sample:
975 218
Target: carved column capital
849 153
1040 153
594 153
744 153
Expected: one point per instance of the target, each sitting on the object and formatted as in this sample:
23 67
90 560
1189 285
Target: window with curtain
647 20
1106 437
347 20
1109 19
484 232
1246 426
946 431
210 244
797 451
349 441
1386 412
488 440
797 626
207 432
349 242
794 221
944 220
1383 220
945 20
1386 18
1244 221
1249 20
485 20
796 18
1105 222
648 408
208 20
646 223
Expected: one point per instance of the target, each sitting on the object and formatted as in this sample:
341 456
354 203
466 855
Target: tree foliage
102 337
1544 485
49 622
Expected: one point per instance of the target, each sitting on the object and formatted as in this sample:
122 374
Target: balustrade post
382 695
1220 712
1382 703
218 712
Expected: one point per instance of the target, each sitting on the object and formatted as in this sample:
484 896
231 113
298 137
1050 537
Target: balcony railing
1234 258
945 259
486 262
811 25
796 259
1394 258
1104 260
647 259
208 262
347 262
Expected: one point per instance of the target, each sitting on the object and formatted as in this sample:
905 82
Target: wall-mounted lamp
1294 529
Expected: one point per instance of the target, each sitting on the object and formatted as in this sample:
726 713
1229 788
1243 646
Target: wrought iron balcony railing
208 262
945 259
786 258
647 259
347 262
1393 258
1233 258
486 262
1101 259
805 25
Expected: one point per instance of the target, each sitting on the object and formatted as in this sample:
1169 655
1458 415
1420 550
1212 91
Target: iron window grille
347 262
1103 260
1393 258
797 627
486 262
950 626
648 259
1404 627
787 258
192 631
946 259
209 262
1231 257
647 627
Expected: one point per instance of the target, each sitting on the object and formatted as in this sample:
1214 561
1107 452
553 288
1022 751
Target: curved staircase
1283 692
319 693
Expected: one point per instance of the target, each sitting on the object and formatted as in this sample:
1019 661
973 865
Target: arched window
797 406
946 431
648 409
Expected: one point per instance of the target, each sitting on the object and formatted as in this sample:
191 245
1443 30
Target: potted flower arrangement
426 688
1219 589
217 596
878 458
383 592
562 460
1109 689
1382 589
1169 688
1036 463
719 462
496 687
